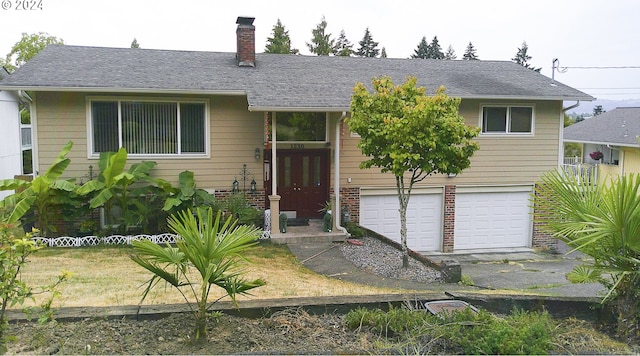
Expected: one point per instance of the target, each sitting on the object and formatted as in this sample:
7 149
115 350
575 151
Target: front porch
313 232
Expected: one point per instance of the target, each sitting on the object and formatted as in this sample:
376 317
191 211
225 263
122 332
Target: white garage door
381 214
486 219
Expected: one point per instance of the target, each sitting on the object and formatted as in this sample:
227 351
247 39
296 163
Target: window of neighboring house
149 127
507 119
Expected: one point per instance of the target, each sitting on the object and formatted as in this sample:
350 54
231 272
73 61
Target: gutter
571 107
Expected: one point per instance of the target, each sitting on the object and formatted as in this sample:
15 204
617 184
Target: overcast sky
580 33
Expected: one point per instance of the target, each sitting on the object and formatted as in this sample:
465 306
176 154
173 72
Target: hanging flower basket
596 155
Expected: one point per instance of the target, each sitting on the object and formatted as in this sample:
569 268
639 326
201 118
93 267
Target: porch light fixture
236 185
451 175
253 187
257 154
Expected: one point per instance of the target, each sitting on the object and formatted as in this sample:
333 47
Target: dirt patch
291 331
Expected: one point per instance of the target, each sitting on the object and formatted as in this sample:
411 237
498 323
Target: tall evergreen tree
279 42
450 53
321 43
522 58
435 51
597 110
135 44
368 47
423 49
470 53
383 53
343 46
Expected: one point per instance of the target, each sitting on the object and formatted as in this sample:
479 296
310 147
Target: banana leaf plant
187 196
212 247
41 195
113 182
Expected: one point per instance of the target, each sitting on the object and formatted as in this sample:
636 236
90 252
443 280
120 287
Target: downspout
561 134
336 183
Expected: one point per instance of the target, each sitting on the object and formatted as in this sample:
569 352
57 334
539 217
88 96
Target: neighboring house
616 135
212 112
14 138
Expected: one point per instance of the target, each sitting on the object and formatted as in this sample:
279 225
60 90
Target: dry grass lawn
106 276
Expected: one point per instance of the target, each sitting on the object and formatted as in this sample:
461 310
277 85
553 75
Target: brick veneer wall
350 198
449 218
257 199
541 238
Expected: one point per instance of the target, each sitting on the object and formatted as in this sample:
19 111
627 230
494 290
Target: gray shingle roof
277 81
620 127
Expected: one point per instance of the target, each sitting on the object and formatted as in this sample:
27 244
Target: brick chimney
246 34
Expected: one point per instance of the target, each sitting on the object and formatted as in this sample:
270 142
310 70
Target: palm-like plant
602 221
41 195
211 246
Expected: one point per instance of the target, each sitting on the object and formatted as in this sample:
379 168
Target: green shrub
465 332
237 205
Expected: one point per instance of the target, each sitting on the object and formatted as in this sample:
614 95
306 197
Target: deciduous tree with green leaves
410 134
601 221
28 46
279 42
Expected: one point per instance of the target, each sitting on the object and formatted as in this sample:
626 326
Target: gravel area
382 259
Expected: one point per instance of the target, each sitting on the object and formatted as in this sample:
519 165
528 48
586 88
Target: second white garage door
492 219
380 213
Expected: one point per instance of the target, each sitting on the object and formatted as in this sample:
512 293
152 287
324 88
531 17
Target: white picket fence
68 241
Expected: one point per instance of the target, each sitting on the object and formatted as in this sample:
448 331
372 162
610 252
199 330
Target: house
15 137
616 135
212 113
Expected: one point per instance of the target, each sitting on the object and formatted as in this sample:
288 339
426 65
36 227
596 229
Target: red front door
303 181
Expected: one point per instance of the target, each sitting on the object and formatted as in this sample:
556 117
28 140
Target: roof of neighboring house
620 127
277 81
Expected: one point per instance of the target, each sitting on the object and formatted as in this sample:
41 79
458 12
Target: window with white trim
507 119
149 128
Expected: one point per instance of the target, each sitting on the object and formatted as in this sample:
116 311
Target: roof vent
246 35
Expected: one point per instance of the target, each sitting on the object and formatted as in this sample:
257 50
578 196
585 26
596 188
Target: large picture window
507 119
301 126
149 127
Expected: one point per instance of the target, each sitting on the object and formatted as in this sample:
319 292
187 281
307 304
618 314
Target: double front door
302 181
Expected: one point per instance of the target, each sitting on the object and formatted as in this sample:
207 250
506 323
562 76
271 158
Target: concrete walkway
520 272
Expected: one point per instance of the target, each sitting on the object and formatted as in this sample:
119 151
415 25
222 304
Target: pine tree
470 53
321 44
383 53
280 42
343 47
368 47
135 44
423 49
522 58
450 54
435 51
597 110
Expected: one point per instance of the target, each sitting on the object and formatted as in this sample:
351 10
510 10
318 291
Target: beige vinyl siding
631 163
235 133
501 159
